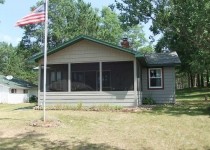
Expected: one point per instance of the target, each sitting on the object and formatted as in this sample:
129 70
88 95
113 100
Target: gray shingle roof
162 59
16 83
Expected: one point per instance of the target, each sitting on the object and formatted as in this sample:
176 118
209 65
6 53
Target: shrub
148 101
33 99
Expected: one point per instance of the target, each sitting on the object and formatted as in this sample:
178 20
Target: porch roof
39 56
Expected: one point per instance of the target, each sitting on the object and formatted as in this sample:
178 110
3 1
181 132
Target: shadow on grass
195 97
32 140
191 108
13 119
193 93
25 107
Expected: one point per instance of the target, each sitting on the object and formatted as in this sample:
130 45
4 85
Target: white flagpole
45 57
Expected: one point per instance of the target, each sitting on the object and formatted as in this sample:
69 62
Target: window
155 78
25 91
57 78
13 90
117 76
85 77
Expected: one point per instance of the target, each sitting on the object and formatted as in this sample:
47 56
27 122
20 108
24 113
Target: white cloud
9 39
17 40
6 38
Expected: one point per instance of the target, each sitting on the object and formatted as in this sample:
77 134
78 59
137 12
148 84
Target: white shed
16 91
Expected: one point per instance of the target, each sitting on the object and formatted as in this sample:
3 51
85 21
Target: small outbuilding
14 91
94 72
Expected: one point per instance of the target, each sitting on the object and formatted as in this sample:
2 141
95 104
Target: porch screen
57 78
85 77
117 76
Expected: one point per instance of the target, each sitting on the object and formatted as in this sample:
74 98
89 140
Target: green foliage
13 63
109 26
67 19
137 39
148 101
184 26
33 99
70 18
147 49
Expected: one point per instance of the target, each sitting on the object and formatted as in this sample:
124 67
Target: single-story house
16 91
93 72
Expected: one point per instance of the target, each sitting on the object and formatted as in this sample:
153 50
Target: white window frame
161 77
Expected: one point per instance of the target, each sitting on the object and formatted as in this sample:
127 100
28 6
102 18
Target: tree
137 39
189 18
11 63
70 18
184 26
109 26
67 19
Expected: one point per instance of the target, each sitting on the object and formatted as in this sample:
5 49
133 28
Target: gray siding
165 95
86 51
91 98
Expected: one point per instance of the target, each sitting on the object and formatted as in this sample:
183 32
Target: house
93 72
14 91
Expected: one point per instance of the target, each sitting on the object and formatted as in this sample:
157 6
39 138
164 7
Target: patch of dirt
47 123
138 109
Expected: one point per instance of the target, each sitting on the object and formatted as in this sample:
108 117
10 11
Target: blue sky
13 10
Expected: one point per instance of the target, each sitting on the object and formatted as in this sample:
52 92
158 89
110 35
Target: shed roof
16 83
162 59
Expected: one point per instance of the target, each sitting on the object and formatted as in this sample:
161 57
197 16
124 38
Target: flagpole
45 58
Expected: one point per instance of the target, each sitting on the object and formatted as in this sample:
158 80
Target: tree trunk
207 78
188 78
191 81
202 80
198 80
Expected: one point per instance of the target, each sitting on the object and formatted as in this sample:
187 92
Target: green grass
192 94
185 125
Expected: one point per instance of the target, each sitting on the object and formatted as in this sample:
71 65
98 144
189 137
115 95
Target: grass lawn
185 125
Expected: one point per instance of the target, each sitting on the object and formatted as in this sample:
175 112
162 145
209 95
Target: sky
11 12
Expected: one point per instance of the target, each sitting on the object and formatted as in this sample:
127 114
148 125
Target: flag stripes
37 16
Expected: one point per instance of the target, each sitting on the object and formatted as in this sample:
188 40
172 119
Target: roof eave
164 65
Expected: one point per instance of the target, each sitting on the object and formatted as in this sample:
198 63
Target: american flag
36 16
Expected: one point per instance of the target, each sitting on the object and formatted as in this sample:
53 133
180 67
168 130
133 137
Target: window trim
13 91
149 79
